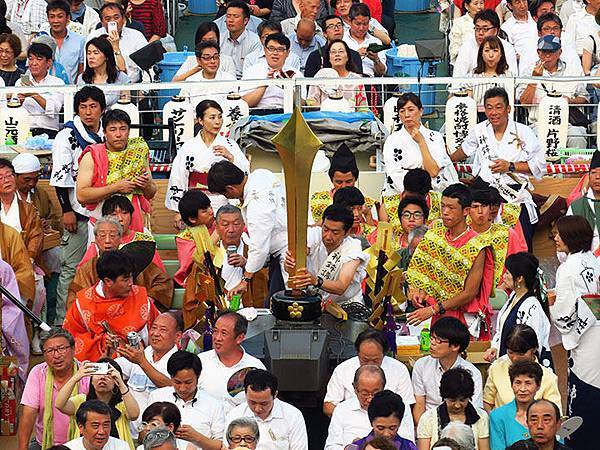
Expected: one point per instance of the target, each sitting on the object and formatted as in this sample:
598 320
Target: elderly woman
415 147
456 388
242 433
161 437
508 424
161 415
338 54
521 344
575 314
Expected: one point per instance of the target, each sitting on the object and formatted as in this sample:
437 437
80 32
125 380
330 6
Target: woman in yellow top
110 389
521 344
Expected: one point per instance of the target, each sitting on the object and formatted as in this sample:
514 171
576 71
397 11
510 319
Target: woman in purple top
385 414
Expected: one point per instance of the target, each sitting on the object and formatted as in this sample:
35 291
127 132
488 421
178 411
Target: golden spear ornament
297 146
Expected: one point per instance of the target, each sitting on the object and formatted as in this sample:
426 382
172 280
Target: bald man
305 40
309 9
350 420
145 369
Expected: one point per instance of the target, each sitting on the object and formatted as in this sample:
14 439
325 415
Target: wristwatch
319 282
442 310
117 53
246 279
511 167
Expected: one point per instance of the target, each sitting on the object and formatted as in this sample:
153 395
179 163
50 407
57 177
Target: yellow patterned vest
129 163
497 236
510 214
319 201
440 269
391 203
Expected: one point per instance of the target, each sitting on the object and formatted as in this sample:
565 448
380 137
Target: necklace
457 237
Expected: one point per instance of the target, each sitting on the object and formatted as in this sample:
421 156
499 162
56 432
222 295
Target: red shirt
375 8
487 4
152 16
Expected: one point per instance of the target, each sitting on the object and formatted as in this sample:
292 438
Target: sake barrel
124 104
391 119
234 108
461 117
553 124
14 123
182 113
336 103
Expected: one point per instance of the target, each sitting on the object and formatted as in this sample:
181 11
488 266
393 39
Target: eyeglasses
248 439
417 215
8 176
438 340
7 51
337 26
366 394
211 58
276 49
484 29
60 350
555 29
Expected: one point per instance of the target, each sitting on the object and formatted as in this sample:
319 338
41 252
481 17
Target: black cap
343 160
595 160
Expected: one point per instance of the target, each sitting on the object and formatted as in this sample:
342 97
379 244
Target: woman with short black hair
457 389
575 313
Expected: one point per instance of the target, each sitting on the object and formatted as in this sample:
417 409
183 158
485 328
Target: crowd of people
118 368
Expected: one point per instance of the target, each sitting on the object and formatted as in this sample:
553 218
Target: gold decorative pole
297 146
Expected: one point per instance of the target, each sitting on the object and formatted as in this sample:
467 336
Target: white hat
26 163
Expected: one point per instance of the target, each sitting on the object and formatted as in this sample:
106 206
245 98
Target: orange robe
156 282
85 316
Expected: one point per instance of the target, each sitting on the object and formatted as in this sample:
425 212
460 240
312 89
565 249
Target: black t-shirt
10 78
318 59
260 3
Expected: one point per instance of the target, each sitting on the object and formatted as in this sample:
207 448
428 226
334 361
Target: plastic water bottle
425 339
234 305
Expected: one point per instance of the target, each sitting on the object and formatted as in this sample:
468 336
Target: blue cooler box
168 68
399 67
412 5
203 7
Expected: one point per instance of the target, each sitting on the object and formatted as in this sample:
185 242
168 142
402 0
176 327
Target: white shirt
291 62
565 89
289 26
226 65
203 412
397 379
44 117
427 374
402 153
283 429
466 60
112 444
462 28
530 313
65 163
273 95
195 156
131 41
349 422
368 64
265 214
508 148
11 217
581 24
195 94
215 376
230 274
238 48
140 384
523 35
350 250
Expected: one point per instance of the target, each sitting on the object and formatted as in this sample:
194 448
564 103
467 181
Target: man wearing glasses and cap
551 65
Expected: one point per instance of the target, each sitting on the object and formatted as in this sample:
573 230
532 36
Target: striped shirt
151 14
